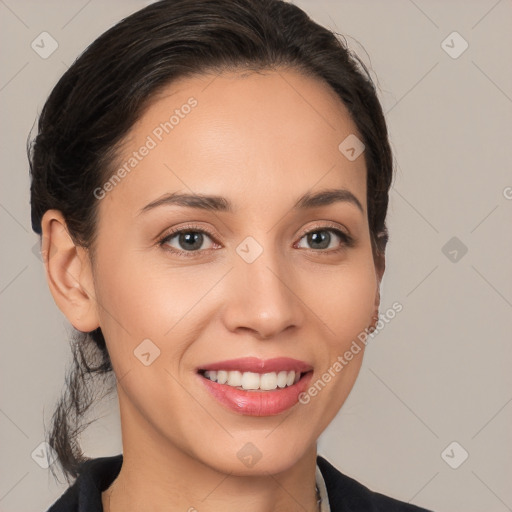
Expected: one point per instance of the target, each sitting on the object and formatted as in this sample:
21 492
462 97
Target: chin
259 456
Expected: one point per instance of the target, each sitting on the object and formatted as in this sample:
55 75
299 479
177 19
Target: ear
68 273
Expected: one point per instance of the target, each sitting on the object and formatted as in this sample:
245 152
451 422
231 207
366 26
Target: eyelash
347 240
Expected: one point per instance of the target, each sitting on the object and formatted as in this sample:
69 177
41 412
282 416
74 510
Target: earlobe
68 273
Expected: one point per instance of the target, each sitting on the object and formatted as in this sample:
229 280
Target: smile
256 387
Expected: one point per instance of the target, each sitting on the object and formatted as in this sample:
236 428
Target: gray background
440 370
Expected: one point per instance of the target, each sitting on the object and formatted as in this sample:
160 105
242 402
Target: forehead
271 135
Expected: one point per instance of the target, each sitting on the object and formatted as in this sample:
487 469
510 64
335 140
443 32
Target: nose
262 297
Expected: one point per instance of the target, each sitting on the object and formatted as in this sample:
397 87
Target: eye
322 238
186 241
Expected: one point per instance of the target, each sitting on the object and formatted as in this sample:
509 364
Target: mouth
256 387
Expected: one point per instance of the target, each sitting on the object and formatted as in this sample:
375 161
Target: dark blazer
345 493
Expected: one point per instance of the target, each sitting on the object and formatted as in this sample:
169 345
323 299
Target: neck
145 484
156 475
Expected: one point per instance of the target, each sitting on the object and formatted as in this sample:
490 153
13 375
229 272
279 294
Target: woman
210 180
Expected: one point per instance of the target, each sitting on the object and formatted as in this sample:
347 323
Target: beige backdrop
436 381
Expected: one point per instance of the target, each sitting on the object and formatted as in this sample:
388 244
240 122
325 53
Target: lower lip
257 403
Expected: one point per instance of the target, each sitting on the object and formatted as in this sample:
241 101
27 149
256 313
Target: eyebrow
221 204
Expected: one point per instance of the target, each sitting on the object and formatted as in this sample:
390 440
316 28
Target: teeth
234 379
222 377
268 381
250 380
253 381
282 379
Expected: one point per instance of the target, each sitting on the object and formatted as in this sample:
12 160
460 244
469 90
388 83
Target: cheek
140 299
344 301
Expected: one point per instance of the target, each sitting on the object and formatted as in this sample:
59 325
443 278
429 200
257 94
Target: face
188 287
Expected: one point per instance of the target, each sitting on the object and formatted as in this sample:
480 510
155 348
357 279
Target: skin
260 140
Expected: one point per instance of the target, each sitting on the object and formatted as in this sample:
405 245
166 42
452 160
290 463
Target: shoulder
348 495
95 475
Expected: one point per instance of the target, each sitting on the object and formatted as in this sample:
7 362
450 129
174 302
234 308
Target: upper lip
256 365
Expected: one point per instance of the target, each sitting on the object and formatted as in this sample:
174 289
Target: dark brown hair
99 98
